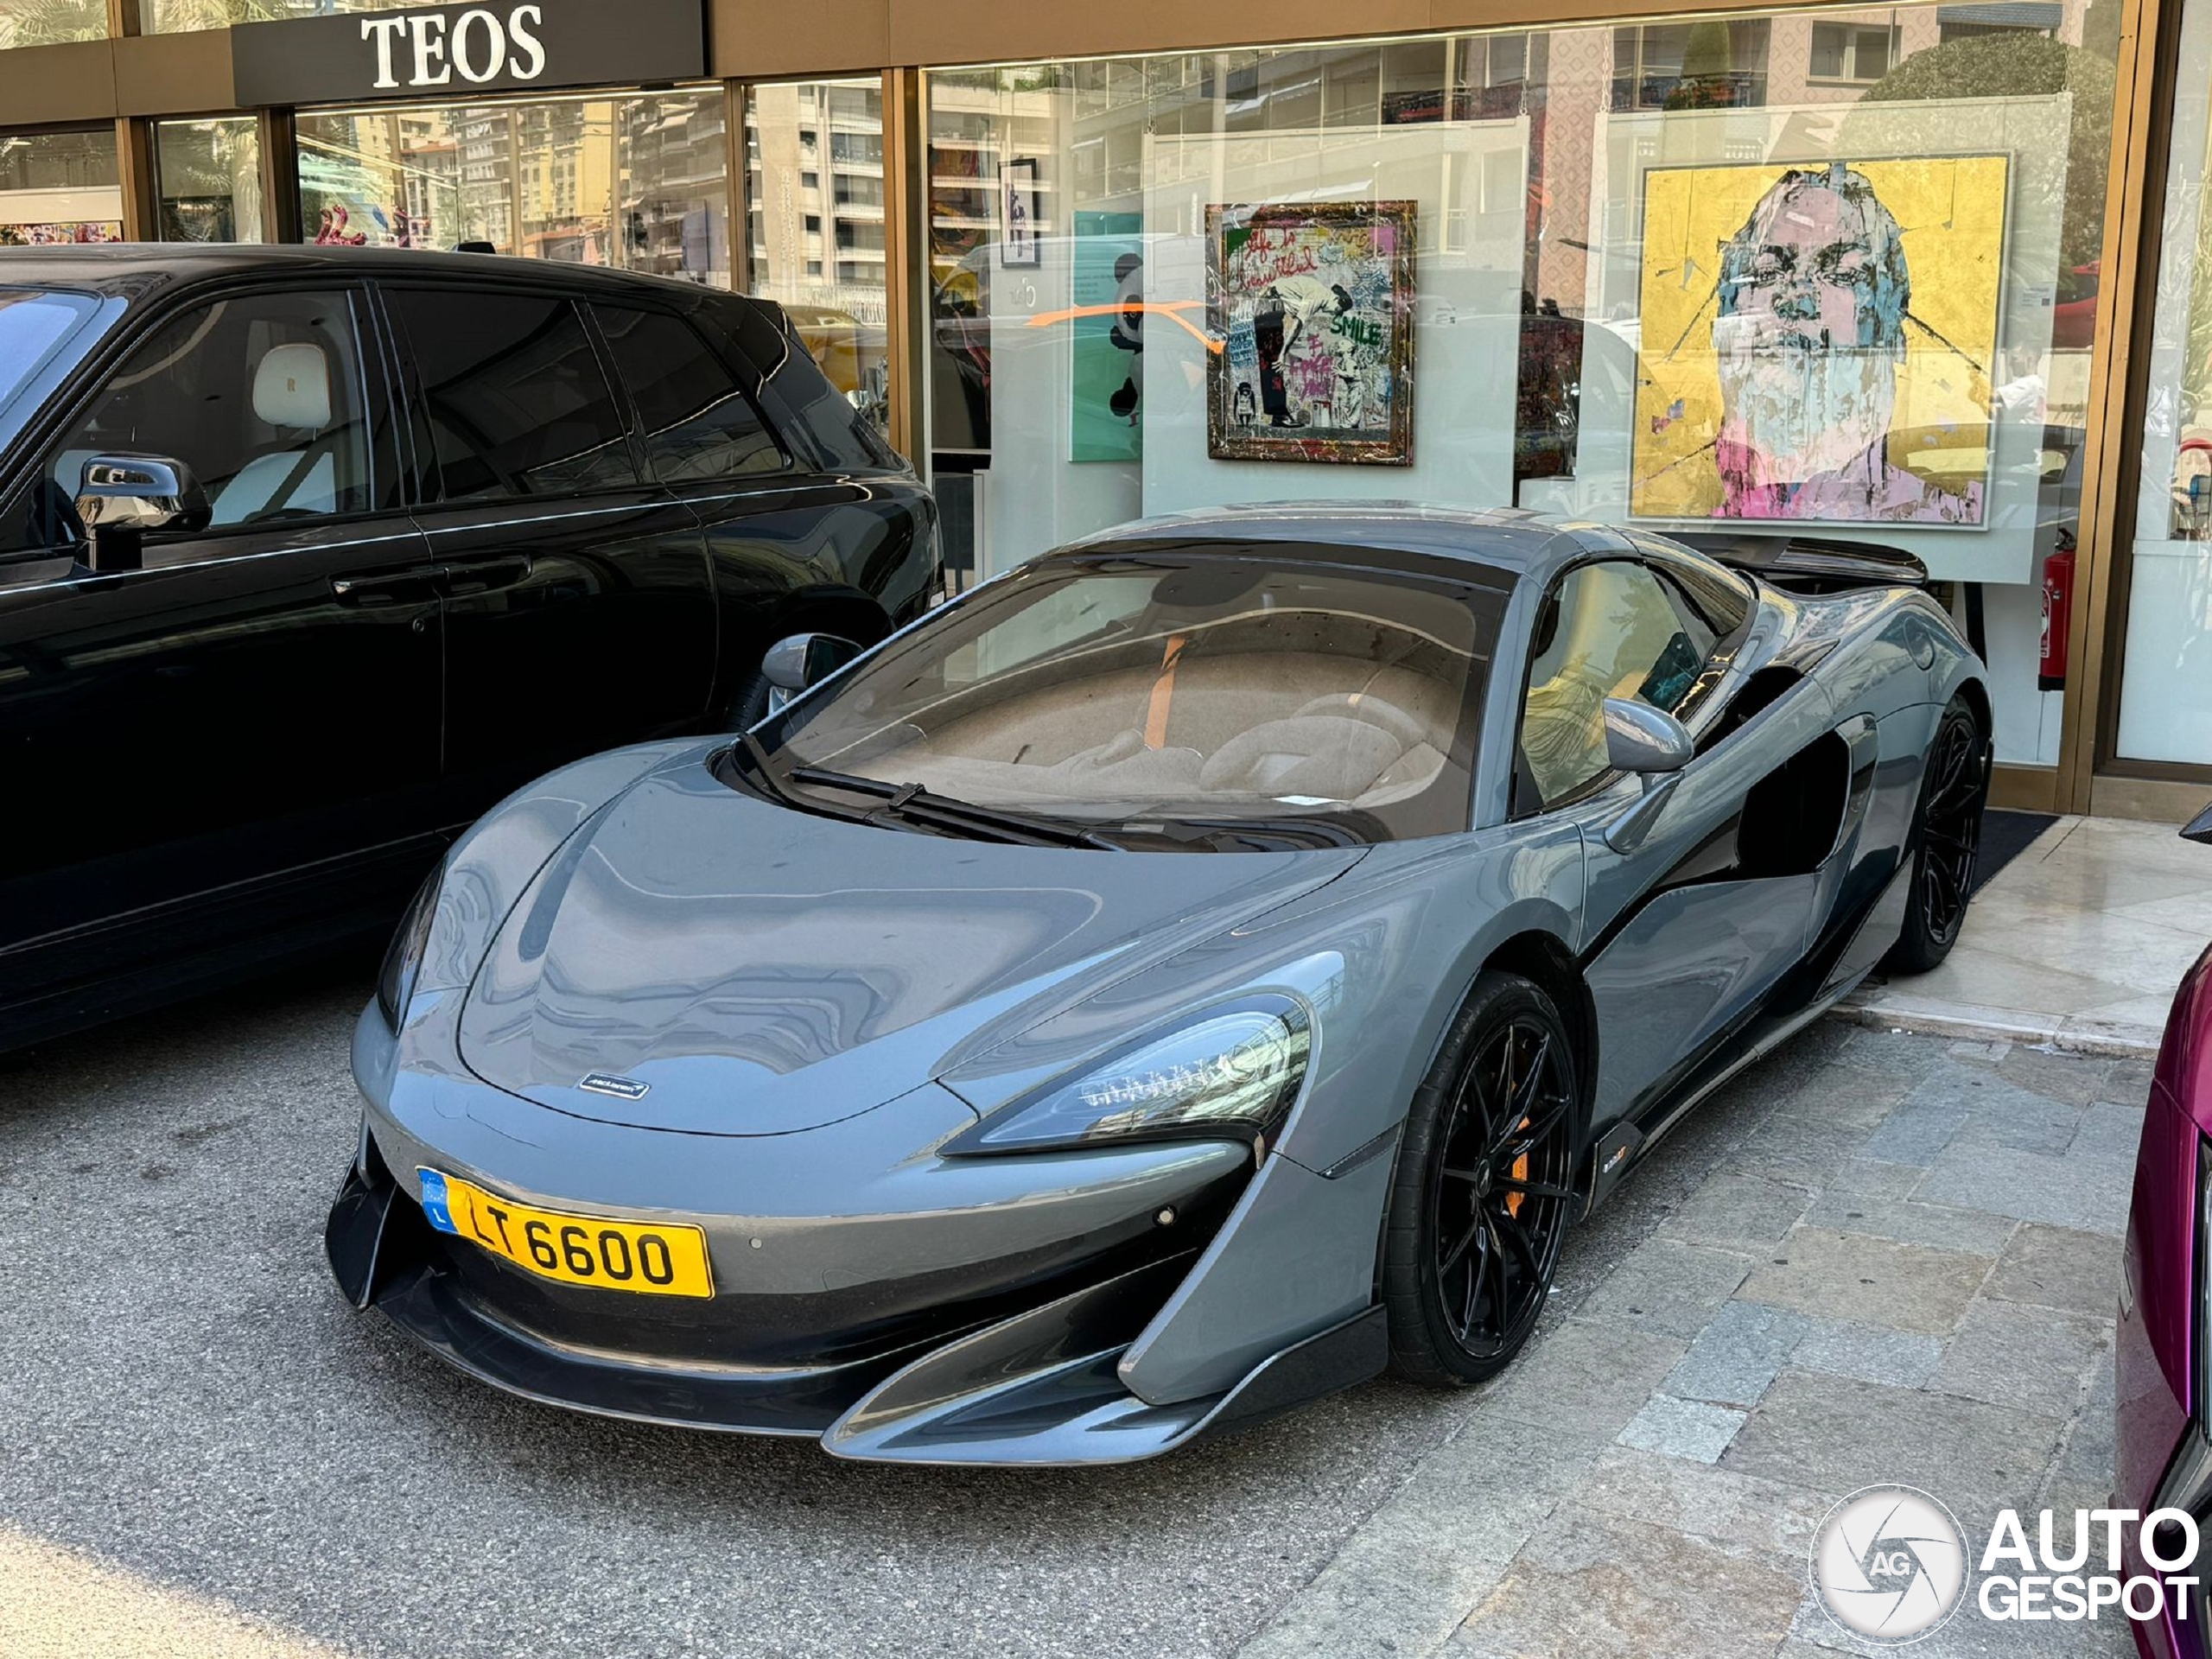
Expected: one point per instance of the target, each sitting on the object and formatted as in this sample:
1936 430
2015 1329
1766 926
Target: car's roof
135 268
1507 538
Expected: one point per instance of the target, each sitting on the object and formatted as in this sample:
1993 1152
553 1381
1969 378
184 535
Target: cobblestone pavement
1903 1268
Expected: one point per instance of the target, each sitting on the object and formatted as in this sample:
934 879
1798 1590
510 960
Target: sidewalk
1889 1252
1877 1257
2077 943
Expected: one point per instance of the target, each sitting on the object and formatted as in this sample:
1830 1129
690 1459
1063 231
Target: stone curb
1960 1020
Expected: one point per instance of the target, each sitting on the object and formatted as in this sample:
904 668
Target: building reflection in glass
638 182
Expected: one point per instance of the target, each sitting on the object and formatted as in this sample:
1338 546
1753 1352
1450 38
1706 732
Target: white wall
1036 498
1470 180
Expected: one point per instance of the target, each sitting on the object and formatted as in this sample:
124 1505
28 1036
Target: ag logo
1889 1564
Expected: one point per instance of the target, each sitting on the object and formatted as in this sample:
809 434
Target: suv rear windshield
1209 696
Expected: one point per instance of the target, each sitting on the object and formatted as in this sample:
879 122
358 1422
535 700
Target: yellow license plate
652 1259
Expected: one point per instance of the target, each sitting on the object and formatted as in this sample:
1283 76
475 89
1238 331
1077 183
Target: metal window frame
2098 637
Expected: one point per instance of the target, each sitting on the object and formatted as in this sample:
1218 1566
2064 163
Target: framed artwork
1018 244
1310 311
1820 341
36 236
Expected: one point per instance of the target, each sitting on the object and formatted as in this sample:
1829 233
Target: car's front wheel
1484 1188
1946 841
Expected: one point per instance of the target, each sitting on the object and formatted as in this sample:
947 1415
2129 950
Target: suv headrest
291 387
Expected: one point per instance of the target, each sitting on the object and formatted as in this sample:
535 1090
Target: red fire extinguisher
2057 607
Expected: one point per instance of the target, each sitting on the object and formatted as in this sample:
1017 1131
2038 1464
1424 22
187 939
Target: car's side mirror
800 661
1654 745
2199 829
123 497
1644 740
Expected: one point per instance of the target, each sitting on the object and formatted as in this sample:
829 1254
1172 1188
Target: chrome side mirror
122 498
801 661
1642 739
1654 745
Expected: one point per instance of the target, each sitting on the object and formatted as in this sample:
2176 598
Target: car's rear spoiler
1809 563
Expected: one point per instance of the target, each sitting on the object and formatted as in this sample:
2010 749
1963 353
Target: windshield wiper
747 761
913 801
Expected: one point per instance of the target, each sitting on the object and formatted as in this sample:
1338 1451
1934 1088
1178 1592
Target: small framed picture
1018 244
1314 305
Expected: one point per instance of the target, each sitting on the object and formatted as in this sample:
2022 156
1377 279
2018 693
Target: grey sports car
1201 969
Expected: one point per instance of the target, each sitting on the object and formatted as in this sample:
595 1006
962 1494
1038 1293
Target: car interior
1277 699
1610 630
246 396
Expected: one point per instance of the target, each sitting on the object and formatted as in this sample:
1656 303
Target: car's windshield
34 324
1203 694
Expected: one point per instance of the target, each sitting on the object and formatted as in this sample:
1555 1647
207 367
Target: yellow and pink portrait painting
1817 342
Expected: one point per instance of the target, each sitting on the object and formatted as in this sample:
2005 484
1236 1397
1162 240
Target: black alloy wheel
1485 1188
1947 842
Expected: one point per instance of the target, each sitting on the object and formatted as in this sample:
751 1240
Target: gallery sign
440 52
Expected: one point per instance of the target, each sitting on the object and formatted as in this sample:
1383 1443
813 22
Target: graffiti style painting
39 236
1818 341
1311 314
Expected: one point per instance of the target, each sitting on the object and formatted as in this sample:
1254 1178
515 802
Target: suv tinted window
838 434
518 403
695 421
260 396
34 325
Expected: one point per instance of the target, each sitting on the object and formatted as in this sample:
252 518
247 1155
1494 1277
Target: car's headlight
403 955
1229 1074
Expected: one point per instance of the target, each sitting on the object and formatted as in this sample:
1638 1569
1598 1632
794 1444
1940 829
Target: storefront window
210 179
60 187
638 181
49 23
814 221
2165 705
1812 273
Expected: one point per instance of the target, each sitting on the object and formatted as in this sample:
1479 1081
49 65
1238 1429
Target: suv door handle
386 587
457 577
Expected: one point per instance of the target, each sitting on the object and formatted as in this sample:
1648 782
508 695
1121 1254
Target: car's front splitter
386 1255
1038 1386
1043 1388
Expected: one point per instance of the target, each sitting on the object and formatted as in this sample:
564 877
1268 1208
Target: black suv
309 555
